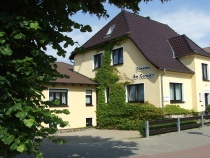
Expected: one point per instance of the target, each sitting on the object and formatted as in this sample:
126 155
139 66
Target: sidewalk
193 143
94 143
197 152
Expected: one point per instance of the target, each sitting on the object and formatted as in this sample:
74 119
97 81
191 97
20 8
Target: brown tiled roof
183 46
207 49
121 28
154 40
74 77
180 46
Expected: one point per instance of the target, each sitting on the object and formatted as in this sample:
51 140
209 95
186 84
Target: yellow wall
185 80
193 85
83 63
76 105
132 58
194 62
202 86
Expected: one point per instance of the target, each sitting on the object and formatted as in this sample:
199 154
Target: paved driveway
94 143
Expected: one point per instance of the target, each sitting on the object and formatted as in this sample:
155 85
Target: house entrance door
207 99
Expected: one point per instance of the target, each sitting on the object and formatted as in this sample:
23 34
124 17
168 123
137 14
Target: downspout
162 94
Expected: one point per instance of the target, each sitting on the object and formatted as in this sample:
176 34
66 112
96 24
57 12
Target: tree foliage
27 27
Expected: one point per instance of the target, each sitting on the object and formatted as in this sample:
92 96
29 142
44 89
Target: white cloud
193 23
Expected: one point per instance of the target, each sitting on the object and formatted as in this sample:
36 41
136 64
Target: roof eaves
85 77
73 53
180 71
73 83
207 49
203 55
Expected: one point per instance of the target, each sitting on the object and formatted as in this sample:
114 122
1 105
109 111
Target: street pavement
95 143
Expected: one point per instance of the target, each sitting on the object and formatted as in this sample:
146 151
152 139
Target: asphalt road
94 143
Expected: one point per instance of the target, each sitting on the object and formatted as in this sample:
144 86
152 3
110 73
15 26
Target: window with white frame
89 122
204 72
88 97
176 92
97 60
58 95
135 93
107 95
117 56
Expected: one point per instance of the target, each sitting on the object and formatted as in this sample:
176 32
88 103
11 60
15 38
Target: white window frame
182 93
94 60
127 93
89 95
105 92
112 62
86 121
207 72
60 90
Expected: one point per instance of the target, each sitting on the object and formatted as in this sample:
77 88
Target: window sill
176 101
96 68
135 101
89 105
117 64
59 106
206 80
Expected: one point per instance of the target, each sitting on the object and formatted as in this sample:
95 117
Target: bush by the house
171 109
128 116
208 109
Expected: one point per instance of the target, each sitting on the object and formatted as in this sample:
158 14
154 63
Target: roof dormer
111 29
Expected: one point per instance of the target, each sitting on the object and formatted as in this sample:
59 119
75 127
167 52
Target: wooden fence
180 124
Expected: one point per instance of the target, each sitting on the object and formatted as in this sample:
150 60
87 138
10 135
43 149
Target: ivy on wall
106 76
117 114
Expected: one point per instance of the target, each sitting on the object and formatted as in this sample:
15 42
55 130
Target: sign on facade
142 75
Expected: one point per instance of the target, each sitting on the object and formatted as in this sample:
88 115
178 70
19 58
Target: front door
207 99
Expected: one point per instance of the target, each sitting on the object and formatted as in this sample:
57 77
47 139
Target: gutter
162 94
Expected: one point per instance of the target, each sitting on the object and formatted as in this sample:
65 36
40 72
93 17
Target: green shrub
208 109
117 114
142 128
175 110
127 116
195 113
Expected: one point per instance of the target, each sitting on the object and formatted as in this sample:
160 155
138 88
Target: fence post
147 129
202 121
178 124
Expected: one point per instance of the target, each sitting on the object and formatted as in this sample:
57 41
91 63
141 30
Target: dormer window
110 30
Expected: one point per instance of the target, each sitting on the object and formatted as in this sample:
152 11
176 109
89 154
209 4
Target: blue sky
189 17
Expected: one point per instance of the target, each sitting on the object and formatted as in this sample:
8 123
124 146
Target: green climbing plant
117 114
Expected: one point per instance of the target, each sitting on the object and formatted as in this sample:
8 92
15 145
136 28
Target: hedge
128 116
